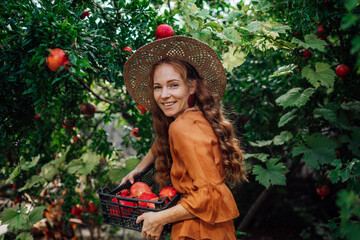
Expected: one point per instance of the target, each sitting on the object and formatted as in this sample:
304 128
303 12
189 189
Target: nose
165 93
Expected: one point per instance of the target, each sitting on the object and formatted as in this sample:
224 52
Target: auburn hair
232 155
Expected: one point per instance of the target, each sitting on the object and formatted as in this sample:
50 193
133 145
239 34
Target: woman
181 80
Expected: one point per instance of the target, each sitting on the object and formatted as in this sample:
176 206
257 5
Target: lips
168 104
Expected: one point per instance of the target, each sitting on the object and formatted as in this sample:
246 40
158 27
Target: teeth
168 104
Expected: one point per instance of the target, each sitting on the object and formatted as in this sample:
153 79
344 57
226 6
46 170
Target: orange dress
197 173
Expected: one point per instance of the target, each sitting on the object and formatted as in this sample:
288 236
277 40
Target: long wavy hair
232 155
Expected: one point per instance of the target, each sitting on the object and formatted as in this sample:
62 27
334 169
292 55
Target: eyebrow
169 81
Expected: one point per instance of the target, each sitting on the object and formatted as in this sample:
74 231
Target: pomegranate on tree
135 132
17 200
297 34
323 191
88 109
84 14
91 208
69 124
307 54
342 71
321 32
128 50
141 109
164 31
77 210
56 58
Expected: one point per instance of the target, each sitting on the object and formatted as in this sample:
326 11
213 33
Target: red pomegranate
164 31
147 195
139 188
169 192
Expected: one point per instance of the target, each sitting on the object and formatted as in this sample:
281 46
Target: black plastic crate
120 215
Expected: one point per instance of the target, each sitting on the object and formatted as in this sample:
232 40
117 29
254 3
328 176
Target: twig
170 11
252 211
97 96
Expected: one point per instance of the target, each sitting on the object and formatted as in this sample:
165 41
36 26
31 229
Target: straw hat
198 54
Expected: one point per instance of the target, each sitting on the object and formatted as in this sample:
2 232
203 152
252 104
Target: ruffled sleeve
196 157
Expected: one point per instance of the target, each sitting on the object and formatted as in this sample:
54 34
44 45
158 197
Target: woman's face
171 92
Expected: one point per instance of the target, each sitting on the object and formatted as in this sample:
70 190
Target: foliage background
298 121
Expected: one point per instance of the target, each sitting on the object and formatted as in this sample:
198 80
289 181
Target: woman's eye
174 85
156 87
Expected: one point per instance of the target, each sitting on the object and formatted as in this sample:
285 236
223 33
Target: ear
193 87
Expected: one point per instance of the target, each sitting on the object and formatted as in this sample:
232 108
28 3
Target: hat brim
200 55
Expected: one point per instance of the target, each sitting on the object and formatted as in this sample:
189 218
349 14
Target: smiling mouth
168 104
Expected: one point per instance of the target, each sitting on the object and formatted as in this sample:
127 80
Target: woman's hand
130 176
152 225
145 162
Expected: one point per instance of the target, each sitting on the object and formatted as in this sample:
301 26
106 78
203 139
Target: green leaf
347 200
311 41
294 97
355 45
233 58
261 143
316 151
351 106
84 165
36 214
287 117
48 171
328 114
323 76
354 144
253 26
334 175
116 173
261 156
348 21
233 35
28 165
24 236
261 6
273 174
282 138
17 220
74 166
13 175
284 70
351 4
344 174
214 25
34 180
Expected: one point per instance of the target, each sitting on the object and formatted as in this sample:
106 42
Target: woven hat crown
200 55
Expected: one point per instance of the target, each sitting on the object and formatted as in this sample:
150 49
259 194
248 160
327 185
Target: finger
131 179
140 219
124 179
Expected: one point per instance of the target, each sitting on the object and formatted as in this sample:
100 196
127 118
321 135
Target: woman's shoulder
189 121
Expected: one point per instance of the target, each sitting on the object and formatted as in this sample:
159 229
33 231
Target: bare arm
154 222
145 162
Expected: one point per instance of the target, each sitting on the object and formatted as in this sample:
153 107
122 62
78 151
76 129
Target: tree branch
97 96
